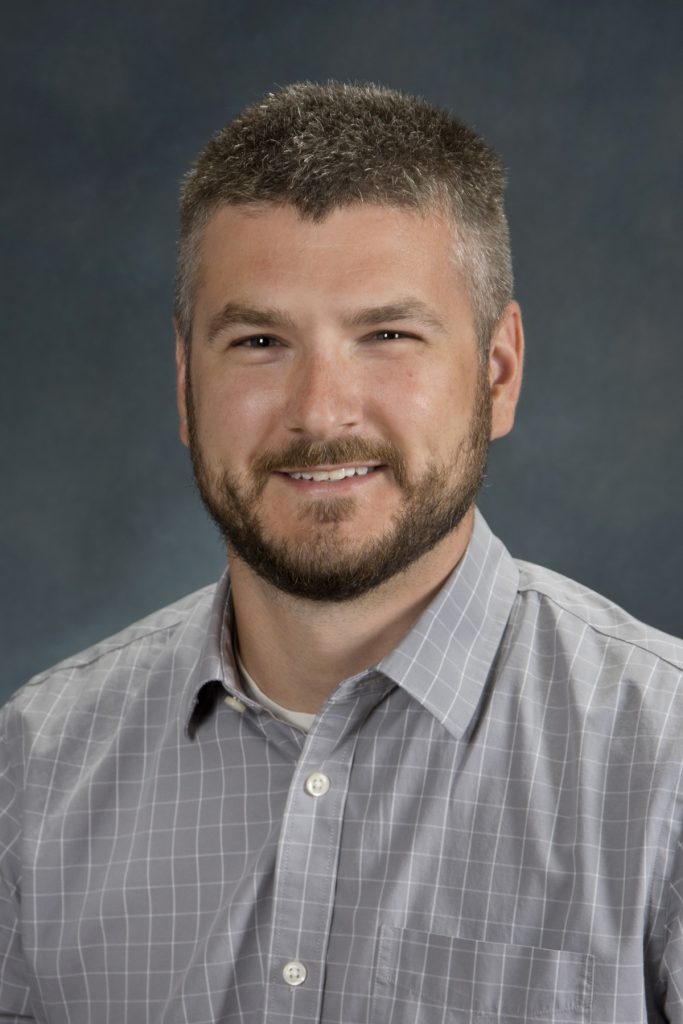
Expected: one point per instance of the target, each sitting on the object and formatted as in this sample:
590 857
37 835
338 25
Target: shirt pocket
425 978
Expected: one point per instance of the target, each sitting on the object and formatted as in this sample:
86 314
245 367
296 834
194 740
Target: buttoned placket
306 872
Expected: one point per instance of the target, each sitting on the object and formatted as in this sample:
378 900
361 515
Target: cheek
394 388
427 413
234 414
400 408
411 396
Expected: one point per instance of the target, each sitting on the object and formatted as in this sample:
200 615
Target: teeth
333 474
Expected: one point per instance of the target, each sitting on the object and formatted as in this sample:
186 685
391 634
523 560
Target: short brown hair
321 147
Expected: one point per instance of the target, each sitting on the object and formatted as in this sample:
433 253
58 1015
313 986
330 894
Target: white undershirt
300 719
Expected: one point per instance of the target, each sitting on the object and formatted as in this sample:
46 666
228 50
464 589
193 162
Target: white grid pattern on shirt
500 839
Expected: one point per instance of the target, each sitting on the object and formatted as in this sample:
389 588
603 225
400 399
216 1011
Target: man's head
323 147
354 348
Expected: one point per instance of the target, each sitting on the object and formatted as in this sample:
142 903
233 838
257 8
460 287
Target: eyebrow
235 314
404 309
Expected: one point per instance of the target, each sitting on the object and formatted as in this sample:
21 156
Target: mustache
341 451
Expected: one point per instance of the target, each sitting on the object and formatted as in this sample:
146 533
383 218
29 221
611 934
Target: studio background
104 107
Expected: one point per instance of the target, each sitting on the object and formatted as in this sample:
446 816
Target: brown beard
327 567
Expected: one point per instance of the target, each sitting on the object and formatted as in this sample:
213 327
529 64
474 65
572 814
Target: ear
181 357
506 357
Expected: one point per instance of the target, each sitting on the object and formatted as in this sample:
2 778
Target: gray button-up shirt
484 827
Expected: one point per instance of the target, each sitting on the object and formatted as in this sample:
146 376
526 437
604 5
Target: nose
322 396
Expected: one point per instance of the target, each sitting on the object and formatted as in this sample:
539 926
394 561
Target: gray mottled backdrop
103 108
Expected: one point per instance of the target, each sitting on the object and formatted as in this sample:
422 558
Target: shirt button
317 784
294 973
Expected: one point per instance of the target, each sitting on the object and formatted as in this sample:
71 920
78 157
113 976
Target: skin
330 373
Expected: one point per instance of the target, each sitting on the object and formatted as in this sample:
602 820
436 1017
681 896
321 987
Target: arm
14 992
15 997
671 967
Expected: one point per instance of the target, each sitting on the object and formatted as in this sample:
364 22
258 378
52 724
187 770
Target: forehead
356 254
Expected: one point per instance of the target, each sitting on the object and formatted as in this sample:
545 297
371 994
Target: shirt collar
213 666
443 662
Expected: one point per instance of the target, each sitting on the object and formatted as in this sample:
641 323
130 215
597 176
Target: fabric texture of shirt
483 827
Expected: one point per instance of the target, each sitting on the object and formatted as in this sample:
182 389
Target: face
333 400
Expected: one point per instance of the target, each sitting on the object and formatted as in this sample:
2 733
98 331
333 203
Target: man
381 772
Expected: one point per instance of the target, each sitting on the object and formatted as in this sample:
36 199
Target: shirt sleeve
671 969
15 996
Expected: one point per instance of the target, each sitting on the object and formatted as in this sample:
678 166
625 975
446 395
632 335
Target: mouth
339 477
332 474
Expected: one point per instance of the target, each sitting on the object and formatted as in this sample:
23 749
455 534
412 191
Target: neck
298 650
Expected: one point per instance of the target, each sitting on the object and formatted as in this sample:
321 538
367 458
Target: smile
340 473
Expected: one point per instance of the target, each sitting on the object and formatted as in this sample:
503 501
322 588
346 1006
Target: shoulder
581 613
578 649
111 671
577 668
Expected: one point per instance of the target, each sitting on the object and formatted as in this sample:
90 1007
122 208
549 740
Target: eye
257 341
389 335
